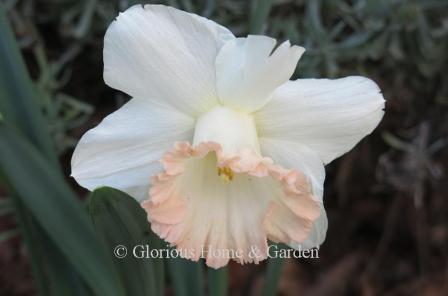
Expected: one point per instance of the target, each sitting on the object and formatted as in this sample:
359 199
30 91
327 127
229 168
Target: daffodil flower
223 151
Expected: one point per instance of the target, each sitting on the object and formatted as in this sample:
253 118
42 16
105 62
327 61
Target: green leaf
19 103
120 221
259 14
56 209
54 274
187 277
217 281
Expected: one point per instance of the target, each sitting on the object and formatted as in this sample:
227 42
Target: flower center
233 130
226 173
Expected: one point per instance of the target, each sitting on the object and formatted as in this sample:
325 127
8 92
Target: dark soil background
386 200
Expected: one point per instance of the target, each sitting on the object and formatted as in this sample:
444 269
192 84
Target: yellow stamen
225 173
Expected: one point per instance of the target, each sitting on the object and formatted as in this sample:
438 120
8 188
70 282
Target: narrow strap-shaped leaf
218 281
53 274
56 274
120 222
19 104
259 14
56 209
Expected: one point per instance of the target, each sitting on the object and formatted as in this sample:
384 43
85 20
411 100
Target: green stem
218 281
186 277
273 273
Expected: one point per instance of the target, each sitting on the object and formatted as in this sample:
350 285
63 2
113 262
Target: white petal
296 156
328 116
124 149
248 70
164 54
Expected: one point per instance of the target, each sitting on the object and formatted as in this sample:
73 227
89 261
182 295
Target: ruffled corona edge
193 208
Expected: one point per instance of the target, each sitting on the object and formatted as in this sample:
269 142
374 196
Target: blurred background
386 200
